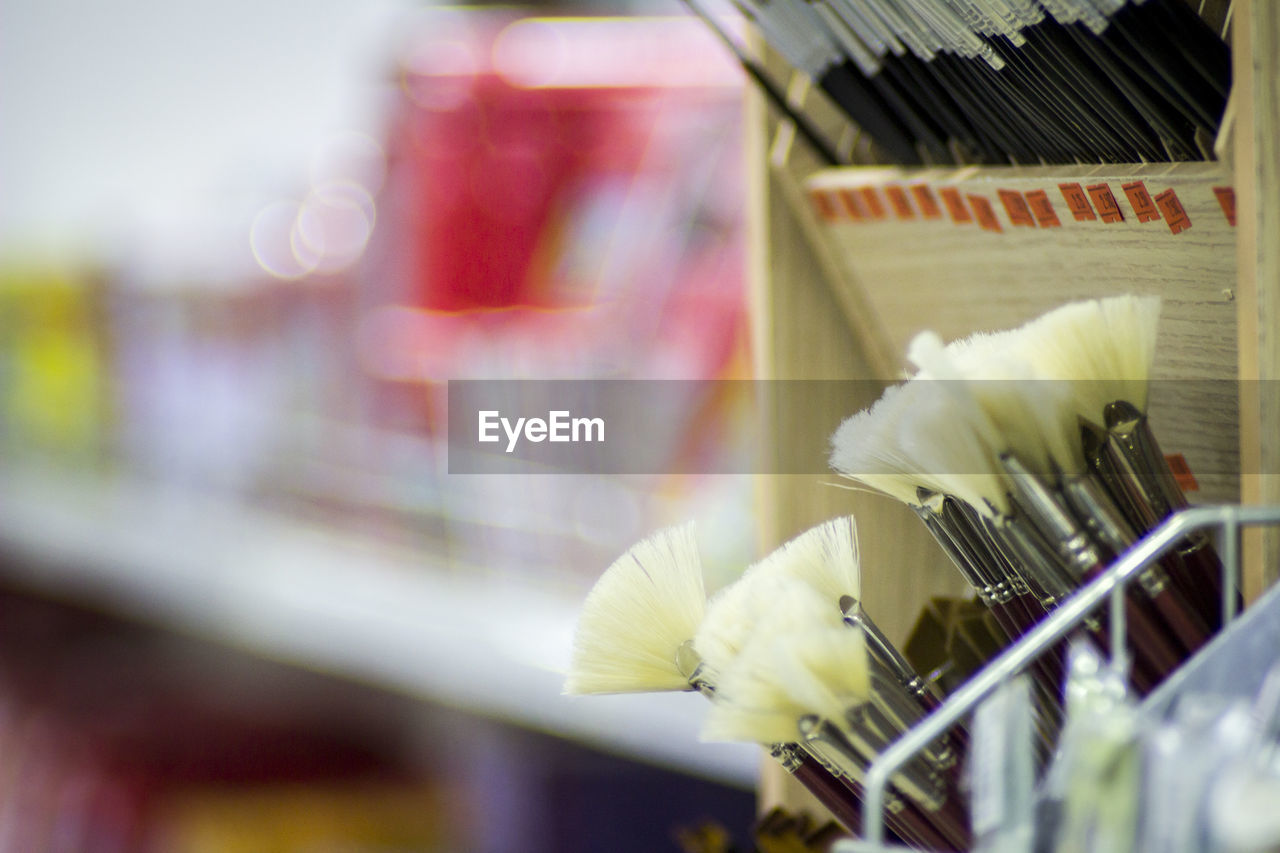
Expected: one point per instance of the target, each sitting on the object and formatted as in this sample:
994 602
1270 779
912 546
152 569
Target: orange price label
899 202
984 213
852 205
926 202
1077 202
955 205
1140 200
1105 203
1016 206
871 198
1227 200
1182 472
1174 213
1042 209
824 205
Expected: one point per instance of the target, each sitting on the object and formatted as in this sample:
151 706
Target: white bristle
730 620
780 677
1034 417
751 702
761 600
1132 323
1068 344
824 557
642 609
1104 348
950 434
826 669
865 448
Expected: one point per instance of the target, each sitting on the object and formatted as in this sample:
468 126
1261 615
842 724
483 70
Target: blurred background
243 247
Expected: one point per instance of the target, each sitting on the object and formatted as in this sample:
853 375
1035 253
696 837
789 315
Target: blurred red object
551 163
519 138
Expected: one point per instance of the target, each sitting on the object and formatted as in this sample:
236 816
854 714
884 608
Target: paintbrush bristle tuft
761 599
1033 417
783 675
949 432
635 618
824 558
828 669
751 701
865 447
1103 348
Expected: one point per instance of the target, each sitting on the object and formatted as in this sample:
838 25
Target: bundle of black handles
951 82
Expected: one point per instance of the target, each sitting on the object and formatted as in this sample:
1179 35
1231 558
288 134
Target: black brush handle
771 91
854 95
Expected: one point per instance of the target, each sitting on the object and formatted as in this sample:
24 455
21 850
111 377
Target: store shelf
842 280
348 605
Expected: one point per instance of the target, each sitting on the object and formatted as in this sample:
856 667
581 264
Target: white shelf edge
336 602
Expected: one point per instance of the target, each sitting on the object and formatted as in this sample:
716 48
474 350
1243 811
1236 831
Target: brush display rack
838 289
1228 521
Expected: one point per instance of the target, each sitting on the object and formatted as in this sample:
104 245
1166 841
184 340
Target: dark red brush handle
952 820
1181 617
835 796
1008 620
958 735
909 823
1202 576
1152 648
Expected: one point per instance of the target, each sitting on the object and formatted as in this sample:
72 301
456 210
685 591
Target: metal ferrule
1036 560
916 779
1006 562
1091 504
894 710
691 665
1101 462
788 755
831 749
1049 513
850 748
1129 426
961 560
885 651
959 518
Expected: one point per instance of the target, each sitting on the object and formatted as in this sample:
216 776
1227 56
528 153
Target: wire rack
1227 520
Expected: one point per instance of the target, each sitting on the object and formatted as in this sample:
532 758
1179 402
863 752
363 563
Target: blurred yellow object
51 376
297 818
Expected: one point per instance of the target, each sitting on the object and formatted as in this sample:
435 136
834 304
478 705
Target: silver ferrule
1032 555
1128 425
856 616
691 665
962 561
1048 512
959 519
1094 508
788 755
853 745
893 710
1091 504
